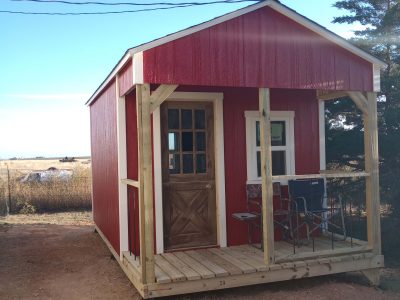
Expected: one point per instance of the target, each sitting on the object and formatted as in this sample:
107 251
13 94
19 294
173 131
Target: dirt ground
49 257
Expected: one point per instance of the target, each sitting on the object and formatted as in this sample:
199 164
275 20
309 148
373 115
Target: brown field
24 165
49 196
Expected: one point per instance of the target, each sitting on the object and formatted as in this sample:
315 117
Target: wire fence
23 191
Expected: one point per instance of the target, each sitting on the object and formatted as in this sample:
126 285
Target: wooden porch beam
330 95
160 94
359 100
266 175
372 167
130 182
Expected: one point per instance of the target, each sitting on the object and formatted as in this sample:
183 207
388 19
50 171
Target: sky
50 65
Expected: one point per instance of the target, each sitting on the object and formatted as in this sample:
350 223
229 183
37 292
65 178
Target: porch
217 268
160 271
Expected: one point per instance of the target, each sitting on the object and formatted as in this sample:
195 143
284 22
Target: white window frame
251 148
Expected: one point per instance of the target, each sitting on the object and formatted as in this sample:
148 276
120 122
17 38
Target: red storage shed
188 129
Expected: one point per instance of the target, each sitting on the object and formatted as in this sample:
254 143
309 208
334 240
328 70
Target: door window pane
200 141
173 141
200 119
174 163
186 118
187 161
201 163
278 136
187 141
173 118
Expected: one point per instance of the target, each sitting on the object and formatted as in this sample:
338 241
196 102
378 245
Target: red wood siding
236 102
306 131
260 49
125 78
103 122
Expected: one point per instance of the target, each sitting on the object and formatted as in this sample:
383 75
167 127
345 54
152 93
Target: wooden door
189 209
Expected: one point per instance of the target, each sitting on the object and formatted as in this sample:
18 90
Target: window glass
173 141
278 136
186 118
201 163
173 118
187 141
187 160
200 119
174 163
278 133
258 133
278 163
200 141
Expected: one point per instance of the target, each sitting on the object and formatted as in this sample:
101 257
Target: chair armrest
304 202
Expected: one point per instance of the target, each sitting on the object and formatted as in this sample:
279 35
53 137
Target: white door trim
217 100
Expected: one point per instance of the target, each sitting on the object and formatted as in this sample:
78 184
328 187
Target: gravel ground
58 256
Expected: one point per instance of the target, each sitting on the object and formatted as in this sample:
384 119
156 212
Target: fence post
8 204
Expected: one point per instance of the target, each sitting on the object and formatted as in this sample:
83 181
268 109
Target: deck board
195 265
246 268
181 266
250 260
232 269
161 276
217 270
169 269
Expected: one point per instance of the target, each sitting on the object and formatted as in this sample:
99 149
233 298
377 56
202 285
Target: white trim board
273 4
122 173
376 71
110 76
217 100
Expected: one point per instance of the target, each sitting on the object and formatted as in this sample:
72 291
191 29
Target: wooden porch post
146 222
266 175
372 167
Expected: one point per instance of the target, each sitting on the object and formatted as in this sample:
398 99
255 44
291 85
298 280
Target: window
187 141
282 143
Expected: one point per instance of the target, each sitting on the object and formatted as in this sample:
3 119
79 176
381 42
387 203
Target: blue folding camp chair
310 207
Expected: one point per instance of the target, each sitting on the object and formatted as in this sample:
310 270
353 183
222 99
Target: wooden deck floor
194 271
221 262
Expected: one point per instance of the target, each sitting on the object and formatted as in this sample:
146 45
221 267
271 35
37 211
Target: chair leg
342 215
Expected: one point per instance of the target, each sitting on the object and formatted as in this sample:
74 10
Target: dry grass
51 196
81 218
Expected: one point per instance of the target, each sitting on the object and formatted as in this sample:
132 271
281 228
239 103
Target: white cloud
44 128
349 31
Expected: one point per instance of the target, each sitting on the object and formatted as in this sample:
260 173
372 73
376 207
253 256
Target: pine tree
381 37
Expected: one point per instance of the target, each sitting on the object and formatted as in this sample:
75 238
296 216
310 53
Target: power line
176 5
88 13
133 3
